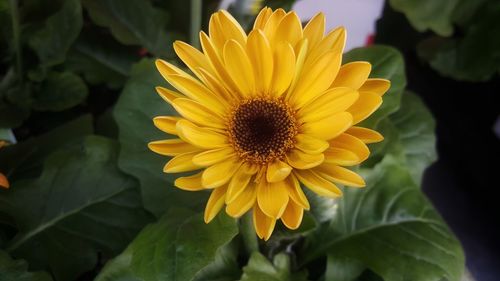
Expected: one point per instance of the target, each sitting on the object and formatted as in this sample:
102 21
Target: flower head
265 114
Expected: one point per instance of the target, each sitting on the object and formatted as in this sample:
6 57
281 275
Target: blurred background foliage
88 199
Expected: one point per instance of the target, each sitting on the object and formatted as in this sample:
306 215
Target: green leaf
387 63
101 60
60 91
133 22
259 268
53 40
391 228
17 270
81 207
343 269
428 14
177 247
137 106
225 267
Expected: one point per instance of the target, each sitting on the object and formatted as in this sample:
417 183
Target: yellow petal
216 32
166 69
296 193
328 128
198 113
340 175
366 104
166 123
329 103
376 85
214 156
263 224
262 18
301 160
239 67
315 79
200 137
3 181
215 203
315 29
239 182
273 22
292 217
351 143
301 50
277 171
190 183
333 41
318 184
272 198
365 135
181 163
243 202
193 58
231 28
352 75
220 173
215 85
260 54
340 156
168 95
171 147
284 69
289 29
309 144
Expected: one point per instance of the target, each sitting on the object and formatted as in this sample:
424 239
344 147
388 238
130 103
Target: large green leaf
225 267
387 63
259 268
177 247
60 30
81 207
60 91
134 112
17 270
132 22
428 14
391 228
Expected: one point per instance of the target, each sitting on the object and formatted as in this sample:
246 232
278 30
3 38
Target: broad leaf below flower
17 270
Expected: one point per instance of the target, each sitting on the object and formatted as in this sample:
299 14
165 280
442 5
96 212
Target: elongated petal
263 224
333 41
273 22
215 85
172 147
289 29
181 163
318 184
215 203
260 54
200 137
168 95
284 69
192 57
190 183
214 156
198 113
340 156
243 202
302 160
365 135
296 193
231 28
328 128
262 18
352 75
315 29
331 102
277 171
239 67
239 182
340 175
376 85
351 143
3 181
301 53
292 217
364 106
309 144
272 198
166 123
220 173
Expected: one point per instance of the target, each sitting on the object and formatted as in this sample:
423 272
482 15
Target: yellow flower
3 179
267 114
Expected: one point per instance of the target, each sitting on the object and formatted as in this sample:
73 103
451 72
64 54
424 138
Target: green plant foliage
259 268
81 204
177 247
61 90
53 40
17 270
225 267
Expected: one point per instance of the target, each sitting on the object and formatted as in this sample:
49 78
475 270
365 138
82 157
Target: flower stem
196 14
16 32
247 232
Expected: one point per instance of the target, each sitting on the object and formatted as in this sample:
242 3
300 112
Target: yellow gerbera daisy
265 114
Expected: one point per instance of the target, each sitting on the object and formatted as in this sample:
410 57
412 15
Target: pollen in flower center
262 129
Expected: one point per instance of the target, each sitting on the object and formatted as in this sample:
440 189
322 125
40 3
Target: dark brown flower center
262 130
